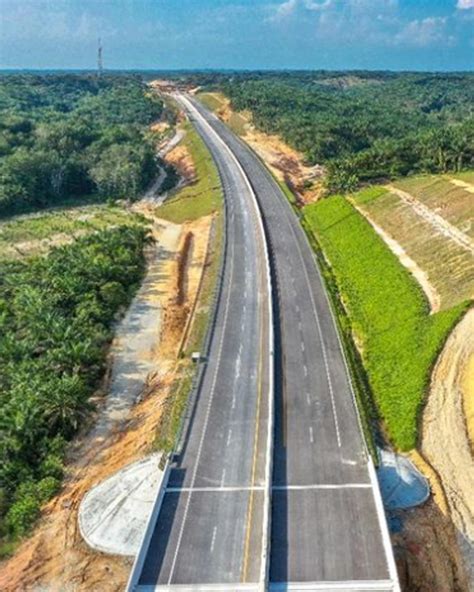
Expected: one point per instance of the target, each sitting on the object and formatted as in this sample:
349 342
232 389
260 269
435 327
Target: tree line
74 135
363 126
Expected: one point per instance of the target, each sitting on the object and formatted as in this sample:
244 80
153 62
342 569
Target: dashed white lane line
213 542
305 369
311 435
223 477
302 346
229 436
308 399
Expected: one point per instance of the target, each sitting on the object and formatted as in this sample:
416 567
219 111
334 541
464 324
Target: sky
238 34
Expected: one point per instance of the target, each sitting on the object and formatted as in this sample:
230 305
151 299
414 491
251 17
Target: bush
22 515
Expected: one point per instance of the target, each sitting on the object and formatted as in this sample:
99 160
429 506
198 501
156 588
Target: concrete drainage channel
113 515
401 483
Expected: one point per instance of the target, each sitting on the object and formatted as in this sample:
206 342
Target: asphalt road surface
210 528
328 527
328 531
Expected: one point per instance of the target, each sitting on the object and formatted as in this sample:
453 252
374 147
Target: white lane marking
199 588
311 435
232 489
208 412
213 542
305 368
229 436
322 486
225 489
302 346
326 586
238 364
320 332
308 399
223 477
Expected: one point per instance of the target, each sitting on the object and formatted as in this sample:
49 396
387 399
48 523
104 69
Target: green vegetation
236 121
388 313
73 135
56 318
210 100
203 196
175 405
67 222
362 126
447 264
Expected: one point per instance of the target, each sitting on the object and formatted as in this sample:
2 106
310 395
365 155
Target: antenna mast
100 65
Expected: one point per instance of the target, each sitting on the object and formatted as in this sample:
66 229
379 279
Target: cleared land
447 264
390 317
444 433
36 234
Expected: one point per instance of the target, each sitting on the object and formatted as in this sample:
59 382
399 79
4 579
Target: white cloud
284 10
314 5
424 32
465 4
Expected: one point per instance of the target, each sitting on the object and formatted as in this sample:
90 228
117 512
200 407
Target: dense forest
74 135
363 126
56 318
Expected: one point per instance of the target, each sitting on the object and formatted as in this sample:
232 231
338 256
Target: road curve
211 529
328 526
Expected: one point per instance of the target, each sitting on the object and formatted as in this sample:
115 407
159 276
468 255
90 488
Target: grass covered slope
204 195
389 314
447 265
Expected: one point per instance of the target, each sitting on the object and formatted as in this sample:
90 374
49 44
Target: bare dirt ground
425 551
286 163
55 558
445 441
467 186
180 158
41 246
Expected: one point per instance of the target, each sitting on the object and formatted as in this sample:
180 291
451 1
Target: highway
328 527
211 525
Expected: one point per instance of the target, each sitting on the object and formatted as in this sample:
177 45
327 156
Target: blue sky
162 34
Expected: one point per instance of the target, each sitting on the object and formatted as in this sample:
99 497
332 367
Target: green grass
210 101
387 310
237 122
467 176
171 418
65 221
202 197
